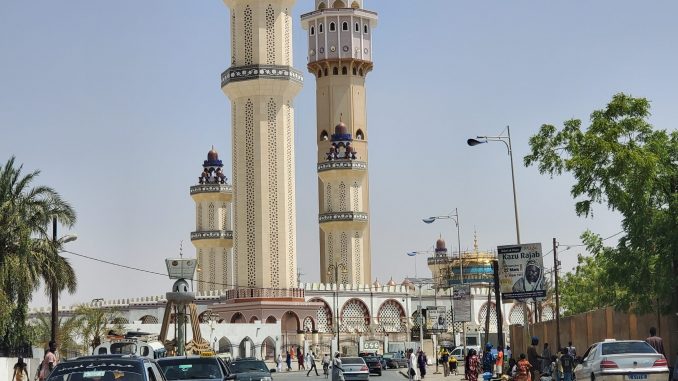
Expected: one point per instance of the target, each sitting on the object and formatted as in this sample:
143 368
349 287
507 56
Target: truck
133 343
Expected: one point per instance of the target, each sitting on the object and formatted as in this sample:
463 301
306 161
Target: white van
152 349
457 352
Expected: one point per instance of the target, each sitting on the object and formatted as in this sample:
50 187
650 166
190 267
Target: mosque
249 300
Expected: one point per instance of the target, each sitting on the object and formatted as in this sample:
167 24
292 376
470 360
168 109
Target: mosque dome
212 155
391 282
376 283
340 129
440 244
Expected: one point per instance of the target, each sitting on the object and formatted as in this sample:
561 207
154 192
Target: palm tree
68 332
27 255
94 324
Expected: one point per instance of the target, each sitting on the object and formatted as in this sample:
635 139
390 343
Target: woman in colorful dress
523 369
473 365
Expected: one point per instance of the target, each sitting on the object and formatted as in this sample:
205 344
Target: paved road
387 375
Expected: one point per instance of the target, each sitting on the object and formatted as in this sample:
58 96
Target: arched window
359 135
344 70
323 136
357 27
320 28
335 71
355 71
322 6
312 30
355 5
365 28
360 72
339 4
333 27
344 26
320 73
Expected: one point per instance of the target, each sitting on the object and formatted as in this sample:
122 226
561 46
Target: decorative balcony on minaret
340 56
213 235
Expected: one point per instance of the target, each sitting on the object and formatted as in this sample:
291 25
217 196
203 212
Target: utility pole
555 269
497 304
54 292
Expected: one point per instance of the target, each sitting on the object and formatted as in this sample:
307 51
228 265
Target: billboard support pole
497 305
555 269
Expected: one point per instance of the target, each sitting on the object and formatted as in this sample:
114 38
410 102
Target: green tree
27 254
94 325
622 162
67 334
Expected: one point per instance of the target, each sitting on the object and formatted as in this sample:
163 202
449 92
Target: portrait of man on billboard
533 279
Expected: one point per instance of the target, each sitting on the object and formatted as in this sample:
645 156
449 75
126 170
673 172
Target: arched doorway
391 317
246 348
268 349
238 318
224 345
149 319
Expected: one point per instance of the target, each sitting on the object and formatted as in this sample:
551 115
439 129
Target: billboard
461 302
436 319
521 272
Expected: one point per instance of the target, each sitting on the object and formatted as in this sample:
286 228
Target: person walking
509 353
445 358
533 357
280 362
288 360
571 350
473 365
300 359
546 359
49 362
20 368
567 363
655 341
337 370
311 364
326 365
500 362
421 364
412 365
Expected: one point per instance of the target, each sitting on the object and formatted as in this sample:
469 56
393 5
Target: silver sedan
355 368
622 360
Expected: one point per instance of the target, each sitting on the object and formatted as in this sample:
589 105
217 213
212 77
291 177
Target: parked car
457 352
194 368
249 369
355 369
622 360
395 360
373 363
107 368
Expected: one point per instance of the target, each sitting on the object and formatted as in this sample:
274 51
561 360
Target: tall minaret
213 235
261 85
340 56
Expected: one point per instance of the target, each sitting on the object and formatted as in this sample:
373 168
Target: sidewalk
432 376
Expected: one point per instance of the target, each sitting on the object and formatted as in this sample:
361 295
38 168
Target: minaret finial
181 248
341 117
475 240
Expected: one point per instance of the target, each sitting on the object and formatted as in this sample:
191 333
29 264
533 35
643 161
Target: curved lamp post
454 217
507 142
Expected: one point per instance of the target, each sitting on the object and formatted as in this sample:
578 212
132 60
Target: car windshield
191 368
370 358
352 360
98 370
387 355
622 347
248 366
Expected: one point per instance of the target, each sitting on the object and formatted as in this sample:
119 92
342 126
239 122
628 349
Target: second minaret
340 56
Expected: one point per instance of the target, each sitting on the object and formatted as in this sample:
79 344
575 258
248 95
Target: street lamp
507 142
414 254
454 217
335 268
54 287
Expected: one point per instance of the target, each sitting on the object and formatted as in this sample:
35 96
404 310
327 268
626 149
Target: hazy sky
117 103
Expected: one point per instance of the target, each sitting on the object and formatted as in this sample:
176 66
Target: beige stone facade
340 56
261 84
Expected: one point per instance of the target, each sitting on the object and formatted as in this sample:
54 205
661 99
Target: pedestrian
300 359
488 359
412 365
421 363
655 341
523 369
337 370
473 365
500 361
326 365
280 362
571 350
546 359
509 353
533 357
512 368
49 362
445 360
311 364
288 360
567 363
307 359
453 365
20 368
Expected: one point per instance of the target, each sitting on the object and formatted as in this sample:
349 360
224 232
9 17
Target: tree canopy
620 161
